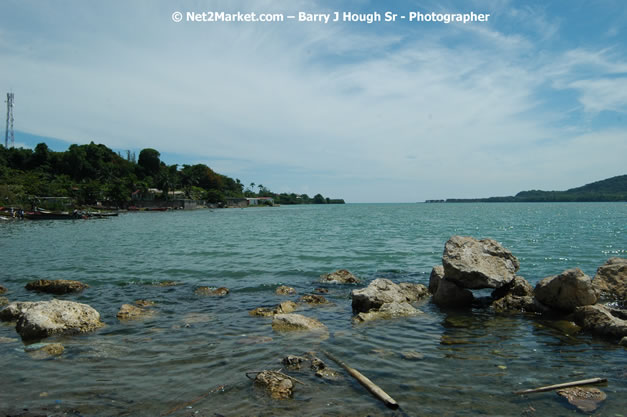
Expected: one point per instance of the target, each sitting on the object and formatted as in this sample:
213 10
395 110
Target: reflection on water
191 357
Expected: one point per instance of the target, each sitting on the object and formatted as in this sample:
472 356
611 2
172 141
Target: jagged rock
517 296
45 318
284 307
297 322
601 320
450 295
611 279
56 286
218 292
44 350
566 291
437 273
341 276
131 312
3 301
278 386
294 362
387 311
383 291
15 310
313 299
285 290
144 303
586 399
3 290
476 264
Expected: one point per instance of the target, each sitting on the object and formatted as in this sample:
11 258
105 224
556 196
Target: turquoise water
472 360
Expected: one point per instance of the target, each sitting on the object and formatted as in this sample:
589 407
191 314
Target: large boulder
451 295
45 318
56 286
566 291
611 279
602 320
298 322
341 276
437 273
475 264
383 291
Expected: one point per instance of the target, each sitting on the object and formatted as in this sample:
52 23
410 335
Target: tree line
94 173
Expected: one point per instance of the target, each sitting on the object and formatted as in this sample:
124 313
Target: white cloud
442 119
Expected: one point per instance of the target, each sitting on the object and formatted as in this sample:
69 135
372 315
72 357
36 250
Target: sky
533 98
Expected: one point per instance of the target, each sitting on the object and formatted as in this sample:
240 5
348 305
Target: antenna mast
8 134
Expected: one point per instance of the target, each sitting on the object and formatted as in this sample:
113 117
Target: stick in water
368 384
564 385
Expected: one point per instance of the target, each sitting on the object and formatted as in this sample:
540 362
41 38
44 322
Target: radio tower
8 134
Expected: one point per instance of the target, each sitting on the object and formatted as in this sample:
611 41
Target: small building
236 202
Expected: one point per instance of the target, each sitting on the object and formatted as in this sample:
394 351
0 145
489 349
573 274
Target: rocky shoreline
595 306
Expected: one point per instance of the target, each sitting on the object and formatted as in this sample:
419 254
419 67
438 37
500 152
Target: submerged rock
387 311
3 290
383 291
8 340
4 301
451 295
566 291
601 320
277 385
321 290
56 286
216 292
166 284
45 318
285 290
294 362
586 399
44 350
411 355
341 276
611 280
296 322
313 299
131 312
144 303
475 264
437 273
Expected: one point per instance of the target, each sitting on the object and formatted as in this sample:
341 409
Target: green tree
149 161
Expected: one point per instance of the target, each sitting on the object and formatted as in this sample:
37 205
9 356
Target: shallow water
193 344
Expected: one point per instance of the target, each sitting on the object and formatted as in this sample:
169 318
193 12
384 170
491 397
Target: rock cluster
41 319
56 286
384 299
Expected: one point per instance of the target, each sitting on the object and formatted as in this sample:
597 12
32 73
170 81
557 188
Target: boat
53 215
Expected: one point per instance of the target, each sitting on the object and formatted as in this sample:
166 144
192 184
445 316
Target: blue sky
535 98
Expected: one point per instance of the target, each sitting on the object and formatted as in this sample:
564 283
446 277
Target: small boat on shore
53 215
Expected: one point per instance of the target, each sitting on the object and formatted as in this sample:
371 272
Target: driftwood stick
564 385
368 384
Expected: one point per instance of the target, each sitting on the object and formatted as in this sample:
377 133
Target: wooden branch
564 385
368 384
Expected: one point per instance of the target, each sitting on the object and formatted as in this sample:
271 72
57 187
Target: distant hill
611 189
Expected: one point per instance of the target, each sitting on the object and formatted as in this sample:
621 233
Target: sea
195 355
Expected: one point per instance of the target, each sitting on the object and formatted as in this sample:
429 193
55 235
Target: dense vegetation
611 189
94 173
